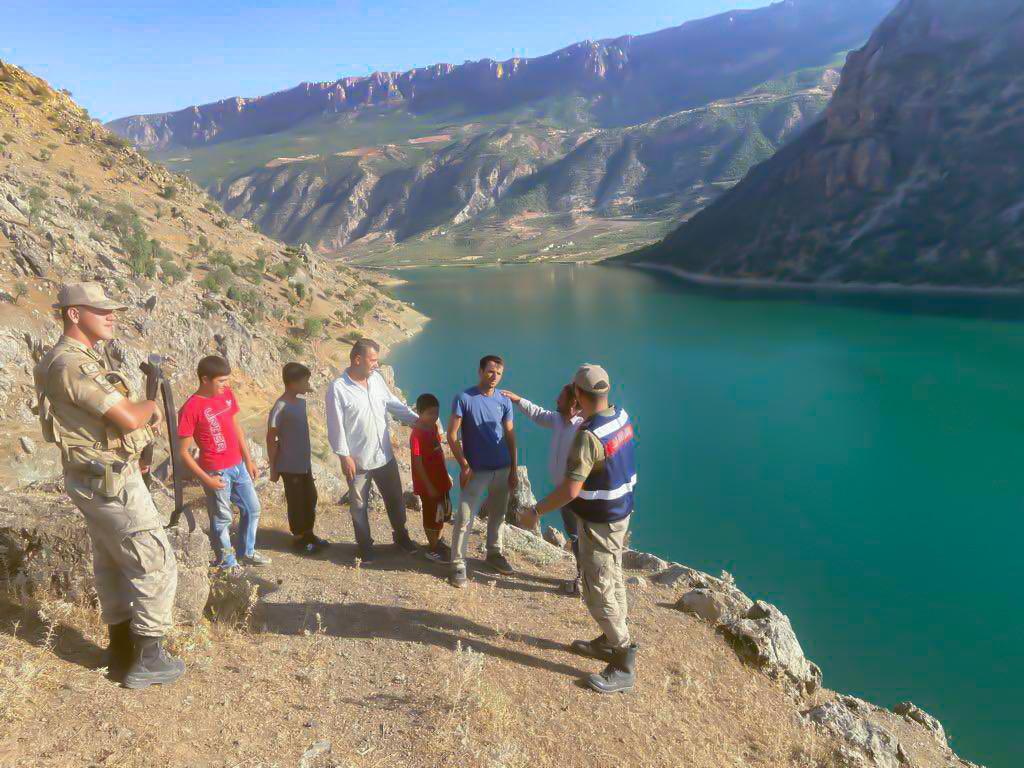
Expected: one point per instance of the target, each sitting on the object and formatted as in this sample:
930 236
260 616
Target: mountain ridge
912 175
585 63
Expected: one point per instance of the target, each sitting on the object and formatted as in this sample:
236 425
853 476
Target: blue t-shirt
483 430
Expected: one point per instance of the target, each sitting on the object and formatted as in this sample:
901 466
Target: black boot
121 652
153 665
619 675
597 648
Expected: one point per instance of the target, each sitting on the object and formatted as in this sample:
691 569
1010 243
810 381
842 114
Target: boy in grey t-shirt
288 449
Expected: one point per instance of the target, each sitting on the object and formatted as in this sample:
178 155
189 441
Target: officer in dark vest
598 487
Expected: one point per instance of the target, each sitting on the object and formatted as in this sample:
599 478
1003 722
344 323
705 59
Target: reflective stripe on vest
616 493
607 493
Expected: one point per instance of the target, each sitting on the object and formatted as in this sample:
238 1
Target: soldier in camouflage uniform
88 412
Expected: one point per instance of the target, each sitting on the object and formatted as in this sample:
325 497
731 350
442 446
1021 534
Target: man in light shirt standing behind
358 402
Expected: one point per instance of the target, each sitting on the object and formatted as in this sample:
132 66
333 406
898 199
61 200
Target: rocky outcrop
915 714
45 550
847 718
715 606
912 176
764 638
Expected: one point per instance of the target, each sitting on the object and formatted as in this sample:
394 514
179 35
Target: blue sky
121 57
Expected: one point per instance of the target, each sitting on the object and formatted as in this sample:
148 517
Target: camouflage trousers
134 566
600 564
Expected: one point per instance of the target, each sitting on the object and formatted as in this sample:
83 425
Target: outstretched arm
397 408
542 417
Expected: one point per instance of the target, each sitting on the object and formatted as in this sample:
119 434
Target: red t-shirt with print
210 422
426 444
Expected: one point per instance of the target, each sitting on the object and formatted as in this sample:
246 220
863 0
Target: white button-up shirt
357 424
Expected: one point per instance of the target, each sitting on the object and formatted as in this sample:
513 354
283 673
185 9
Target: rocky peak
750 46
912 176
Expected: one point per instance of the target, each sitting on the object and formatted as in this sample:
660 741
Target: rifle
157 385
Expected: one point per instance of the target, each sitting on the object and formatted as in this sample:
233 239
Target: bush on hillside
37 199
313 327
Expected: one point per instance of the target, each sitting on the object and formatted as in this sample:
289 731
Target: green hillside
386 185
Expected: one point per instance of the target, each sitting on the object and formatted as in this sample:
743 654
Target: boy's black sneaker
366 554
404 543
497 562
320 543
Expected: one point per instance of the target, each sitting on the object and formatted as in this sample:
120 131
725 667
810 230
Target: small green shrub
313 327
168 192
37 199
116 142
172 273
362 309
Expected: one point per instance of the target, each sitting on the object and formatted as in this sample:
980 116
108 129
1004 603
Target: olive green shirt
73 379
586 453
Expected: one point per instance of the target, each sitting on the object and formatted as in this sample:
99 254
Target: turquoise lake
858 465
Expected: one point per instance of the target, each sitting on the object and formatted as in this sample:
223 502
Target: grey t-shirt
292 426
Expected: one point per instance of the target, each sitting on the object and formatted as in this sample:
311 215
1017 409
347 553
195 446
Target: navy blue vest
607 493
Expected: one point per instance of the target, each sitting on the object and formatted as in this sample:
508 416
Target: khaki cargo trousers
135 568
600 563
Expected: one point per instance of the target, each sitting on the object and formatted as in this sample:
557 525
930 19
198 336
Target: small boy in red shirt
430 479
209 419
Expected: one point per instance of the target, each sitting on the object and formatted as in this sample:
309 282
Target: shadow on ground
410 625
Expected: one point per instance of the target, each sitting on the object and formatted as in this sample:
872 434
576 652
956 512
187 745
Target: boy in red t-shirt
209 418
430 479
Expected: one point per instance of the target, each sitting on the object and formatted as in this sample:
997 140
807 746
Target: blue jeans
239 490
572 531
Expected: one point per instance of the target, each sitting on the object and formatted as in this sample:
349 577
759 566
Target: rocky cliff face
639 77
79 203
914 174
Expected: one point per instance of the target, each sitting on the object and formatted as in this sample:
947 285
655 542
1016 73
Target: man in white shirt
358 402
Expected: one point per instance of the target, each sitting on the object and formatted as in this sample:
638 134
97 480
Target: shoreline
876 289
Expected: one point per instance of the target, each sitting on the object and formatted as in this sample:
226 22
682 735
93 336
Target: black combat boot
152 665
619 675
597 648
121 652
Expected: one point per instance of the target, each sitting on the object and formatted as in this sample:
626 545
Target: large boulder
677 575
520 499
44 548
845 717
632 560
715 606
764 638
192 549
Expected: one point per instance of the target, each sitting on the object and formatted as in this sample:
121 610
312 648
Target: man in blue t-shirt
486 454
